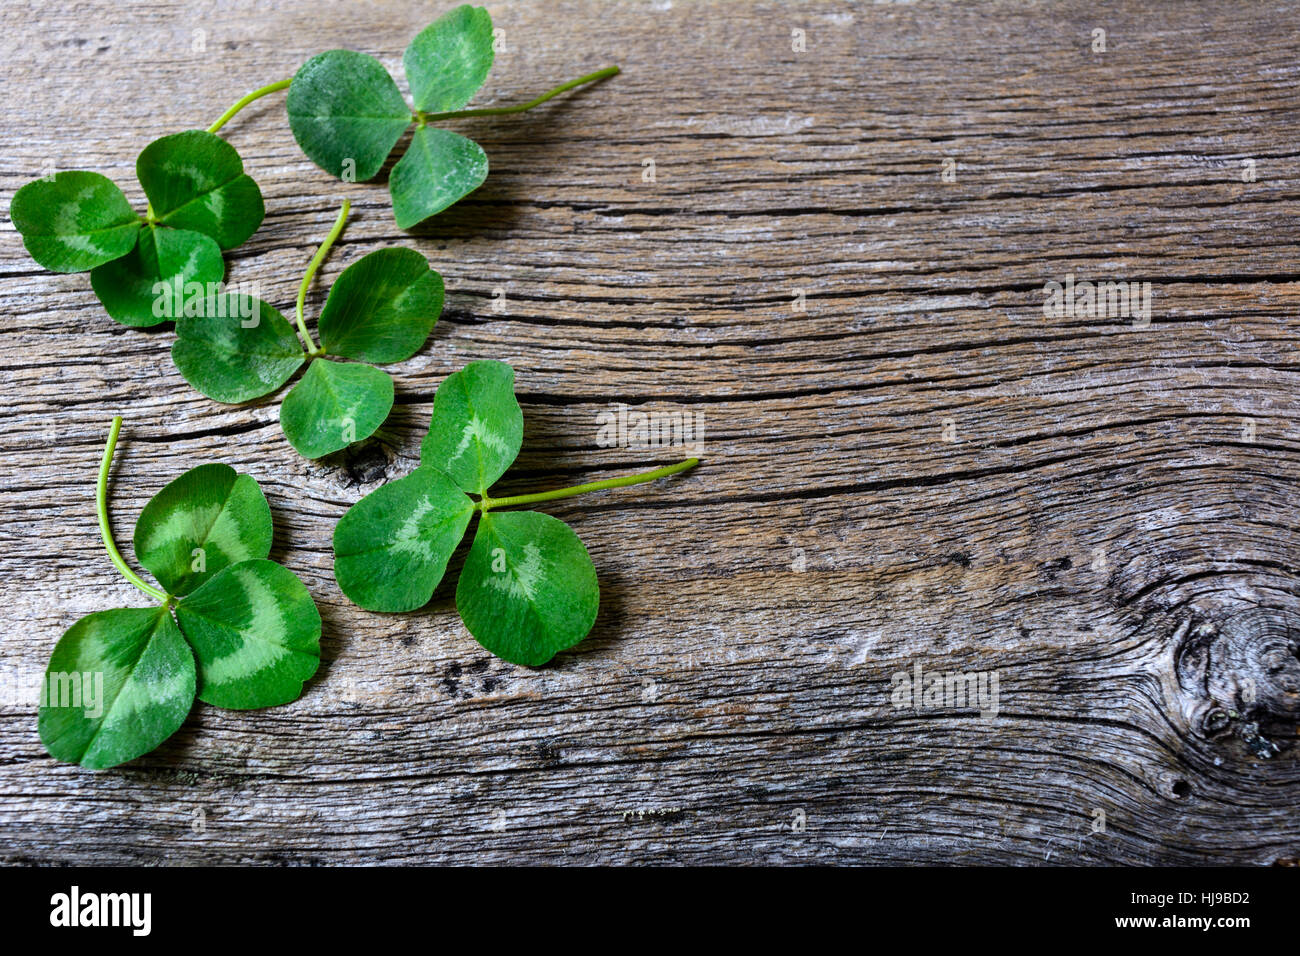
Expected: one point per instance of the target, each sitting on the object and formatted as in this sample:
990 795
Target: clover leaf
335 404
233 628
236 349
439 169
119 683
528 589
381 309
195 180
256 634
74 221
392 547
211 510
477 427
129 288
347 113
200 202
449 59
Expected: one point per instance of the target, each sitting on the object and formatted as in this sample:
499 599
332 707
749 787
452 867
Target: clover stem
244 101
101 505
503 110
312 266
488 503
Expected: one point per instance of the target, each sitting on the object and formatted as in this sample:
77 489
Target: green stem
101 505
503 110
489 503
240 104
312 266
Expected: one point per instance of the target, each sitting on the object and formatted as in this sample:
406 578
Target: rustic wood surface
919 468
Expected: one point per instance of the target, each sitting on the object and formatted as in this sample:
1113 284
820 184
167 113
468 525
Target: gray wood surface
921 468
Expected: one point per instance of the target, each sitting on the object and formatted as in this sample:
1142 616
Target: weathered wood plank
919 467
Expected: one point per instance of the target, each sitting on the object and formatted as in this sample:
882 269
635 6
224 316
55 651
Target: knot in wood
1243 670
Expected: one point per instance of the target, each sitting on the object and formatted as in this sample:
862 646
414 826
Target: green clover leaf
133 678
120 682
528 589
234 348
334 405
145 268
74 221
347 114
237 349
449 59
196 180
439 169
129 288
256 633
477 427
391 549
382 307
201 523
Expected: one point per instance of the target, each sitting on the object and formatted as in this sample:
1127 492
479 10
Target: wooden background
1113 529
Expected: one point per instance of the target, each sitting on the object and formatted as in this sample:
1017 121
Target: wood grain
921 467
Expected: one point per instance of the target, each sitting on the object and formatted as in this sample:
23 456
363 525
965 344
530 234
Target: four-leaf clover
200 202
236 629
528 588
